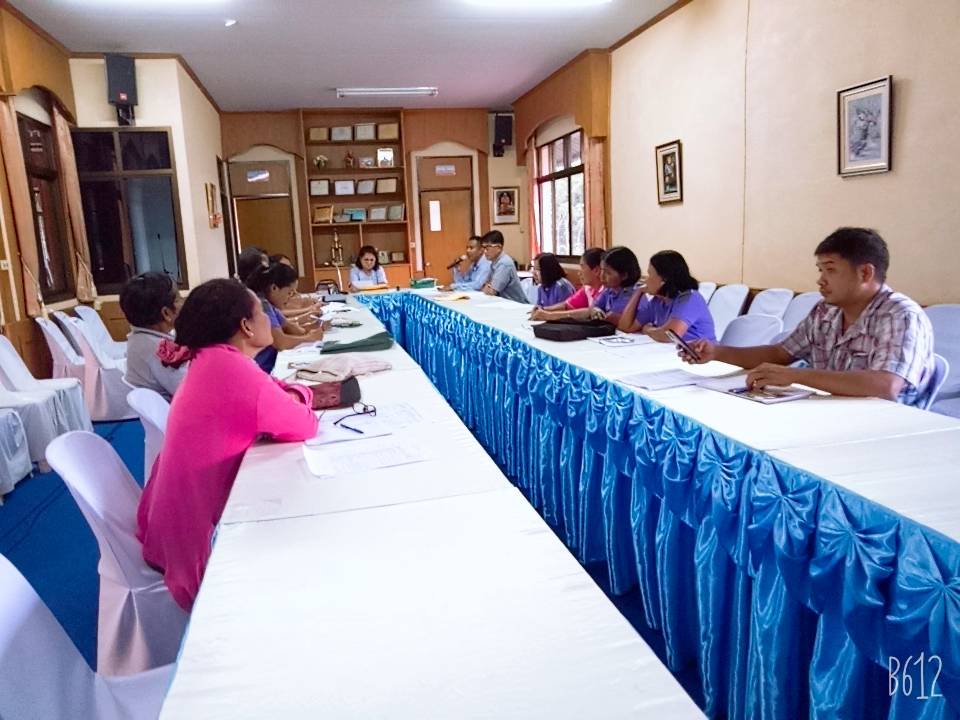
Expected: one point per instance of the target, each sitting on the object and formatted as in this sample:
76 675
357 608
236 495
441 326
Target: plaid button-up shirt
892 334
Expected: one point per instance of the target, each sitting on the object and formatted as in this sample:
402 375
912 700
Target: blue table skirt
788 594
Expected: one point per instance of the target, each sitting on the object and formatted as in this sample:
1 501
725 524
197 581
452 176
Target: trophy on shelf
336 250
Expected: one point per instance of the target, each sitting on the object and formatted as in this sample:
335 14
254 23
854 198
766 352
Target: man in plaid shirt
863 339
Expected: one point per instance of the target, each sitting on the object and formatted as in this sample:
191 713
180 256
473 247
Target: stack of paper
661 380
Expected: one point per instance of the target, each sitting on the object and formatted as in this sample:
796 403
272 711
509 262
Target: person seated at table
223 406
473 270
590 288
150 303
863 339
249 261
299 305
669 300
366 271
553 287
504 281
274 285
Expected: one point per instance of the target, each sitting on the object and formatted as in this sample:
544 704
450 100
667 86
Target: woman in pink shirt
583 298
223 405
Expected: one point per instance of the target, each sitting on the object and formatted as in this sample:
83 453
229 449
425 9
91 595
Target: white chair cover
726 304
15 462
153 411
799 308
750 330
15 375
707 289
42 417
139 625
44 676
114 348
66 362
103 385
772 301
530 289
945 320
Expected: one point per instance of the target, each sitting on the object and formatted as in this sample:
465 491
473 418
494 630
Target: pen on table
348 427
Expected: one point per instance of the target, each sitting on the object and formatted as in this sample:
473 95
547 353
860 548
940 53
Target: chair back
153 411
945 320
707 289
98 330
82 338
800 306
43 672
63 353
108 497
750 330
772 301
14 373
941 370
726 304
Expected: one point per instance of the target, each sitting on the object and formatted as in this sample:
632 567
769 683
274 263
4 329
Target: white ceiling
291 53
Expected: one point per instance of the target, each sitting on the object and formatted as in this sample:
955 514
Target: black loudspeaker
121 80
503 130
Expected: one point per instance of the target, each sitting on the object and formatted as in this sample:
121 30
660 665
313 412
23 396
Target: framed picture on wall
863 127
506 208
669 172
319 187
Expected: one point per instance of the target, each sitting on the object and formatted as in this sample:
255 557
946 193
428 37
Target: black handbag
570 330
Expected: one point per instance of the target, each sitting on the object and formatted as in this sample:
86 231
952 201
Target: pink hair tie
173 355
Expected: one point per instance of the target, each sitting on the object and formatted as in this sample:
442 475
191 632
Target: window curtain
70 183
596 226
534 204
20 200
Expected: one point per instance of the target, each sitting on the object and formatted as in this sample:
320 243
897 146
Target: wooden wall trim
663 14
5 5
240 131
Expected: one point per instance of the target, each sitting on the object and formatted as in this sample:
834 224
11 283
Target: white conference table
427 590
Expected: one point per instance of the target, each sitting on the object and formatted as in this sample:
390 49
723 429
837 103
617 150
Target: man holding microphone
471 270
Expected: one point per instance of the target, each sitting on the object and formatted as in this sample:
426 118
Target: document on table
622 340
661 380
353 458
388 420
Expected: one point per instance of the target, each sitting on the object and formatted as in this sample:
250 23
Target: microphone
456 262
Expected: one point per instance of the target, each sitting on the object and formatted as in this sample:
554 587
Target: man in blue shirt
504 280
474 269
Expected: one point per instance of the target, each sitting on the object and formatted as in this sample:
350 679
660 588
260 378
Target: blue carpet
44 535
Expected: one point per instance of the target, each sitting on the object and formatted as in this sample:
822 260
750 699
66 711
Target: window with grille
560 187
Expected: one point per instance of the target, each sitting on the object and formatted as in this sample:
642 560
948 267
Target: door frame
443 149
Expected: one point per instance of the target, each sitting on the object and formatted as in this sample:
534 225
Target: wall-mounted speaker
503 130
121 80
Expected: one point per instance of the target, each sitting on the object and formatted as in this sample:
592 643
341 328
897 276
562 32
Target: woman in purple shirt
553 286
670 300
620 272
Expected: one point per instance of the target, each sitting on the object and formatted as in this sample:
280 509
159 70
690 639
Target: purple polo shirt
555 294
689 306
614 300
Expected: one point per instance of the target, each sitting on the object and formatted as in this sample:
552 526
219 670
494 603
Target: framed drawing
319 134
386 185
378 214
343 187
365 187
669 172
323 214
319 187
385 157
395 212
365 131
506 209
863 127
343 133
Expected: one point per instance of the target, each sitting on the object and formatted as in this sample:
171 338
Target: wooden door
446 221
266 223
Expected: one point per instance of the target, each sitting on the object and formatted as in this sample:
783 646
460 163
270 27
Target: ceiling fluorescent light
537 4
386 92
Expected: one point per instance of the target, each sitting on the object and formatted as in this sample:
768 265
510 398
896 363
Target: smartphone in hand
682 345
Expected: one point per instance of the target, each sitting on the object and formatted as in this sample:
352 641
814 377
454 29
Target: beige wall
504 172
756 111
168 98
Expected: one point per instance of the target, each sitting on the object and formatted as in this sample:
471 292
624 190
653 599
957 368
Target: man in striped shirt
863 339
